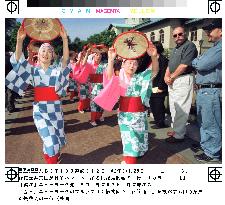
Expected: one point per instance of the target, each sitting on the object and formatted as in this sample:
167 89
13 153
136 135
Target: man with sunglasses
209 94
179 78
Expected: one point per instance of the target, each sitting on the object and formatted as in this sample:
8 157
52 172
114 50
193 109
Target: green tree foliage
77 44
10 24
166 52
105 37
58 45
12 28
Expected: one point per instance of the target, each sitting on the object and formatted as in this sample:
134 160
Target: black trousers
10 97
158 109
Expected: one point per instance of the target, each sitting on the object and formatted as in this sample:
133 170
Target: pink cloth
124 82
108 97
105 78
113 89
81 73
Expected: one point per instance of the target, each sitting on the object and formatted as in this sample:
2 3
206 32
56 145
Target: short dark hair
71 53
159 47
216 23
179 26
117 64
143 63
104 58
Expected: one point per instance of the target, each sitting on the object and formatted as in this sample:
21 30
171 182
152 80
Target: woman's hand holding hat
112 54
21 34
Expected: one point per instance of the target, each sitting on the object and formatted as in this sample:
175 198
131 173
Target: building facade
161 30
129 24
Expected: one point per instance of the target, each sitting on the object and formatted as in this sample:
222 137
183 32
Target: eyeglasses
179 34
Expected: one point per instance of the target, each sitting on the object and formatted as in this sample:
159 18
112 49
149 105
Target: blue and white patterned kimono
47 115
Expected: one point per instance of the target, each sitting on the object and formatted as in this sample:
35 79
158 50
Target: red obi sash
131 104
96 78
45 94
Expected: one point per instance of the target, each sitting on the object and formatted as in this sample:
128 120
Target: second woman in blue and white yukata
49 81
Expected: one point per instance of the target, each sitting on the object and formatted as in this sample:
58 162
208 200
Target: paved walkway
87 144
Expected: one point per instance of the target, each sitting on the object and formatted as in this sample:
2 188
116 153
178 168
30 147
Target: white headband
46 45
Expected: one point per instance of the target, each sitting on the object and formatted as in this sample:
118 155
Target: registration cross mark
12 6
214 174
214 6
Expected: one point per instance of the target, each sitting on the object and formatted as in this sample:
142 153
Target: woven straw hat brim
42 29
131 45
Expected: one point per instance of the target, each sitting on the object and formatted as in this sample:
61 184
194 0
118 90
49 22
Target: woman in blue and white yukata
49 81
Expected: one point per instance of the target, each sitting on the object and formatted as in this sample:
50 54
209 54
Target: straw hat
101 48
42 29
131 44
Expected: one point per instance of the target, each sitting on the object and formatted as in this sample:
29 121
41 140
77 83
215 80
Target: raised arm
84 61
152 51
63 34
111 58
21 34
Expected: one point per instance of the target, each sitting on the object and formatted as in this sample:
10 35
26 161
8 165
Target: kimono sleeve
106 80
146 86
82 73
20 76
109 95
63 81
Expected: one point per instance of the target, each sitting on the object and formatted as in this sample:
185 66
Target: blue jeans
209 113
